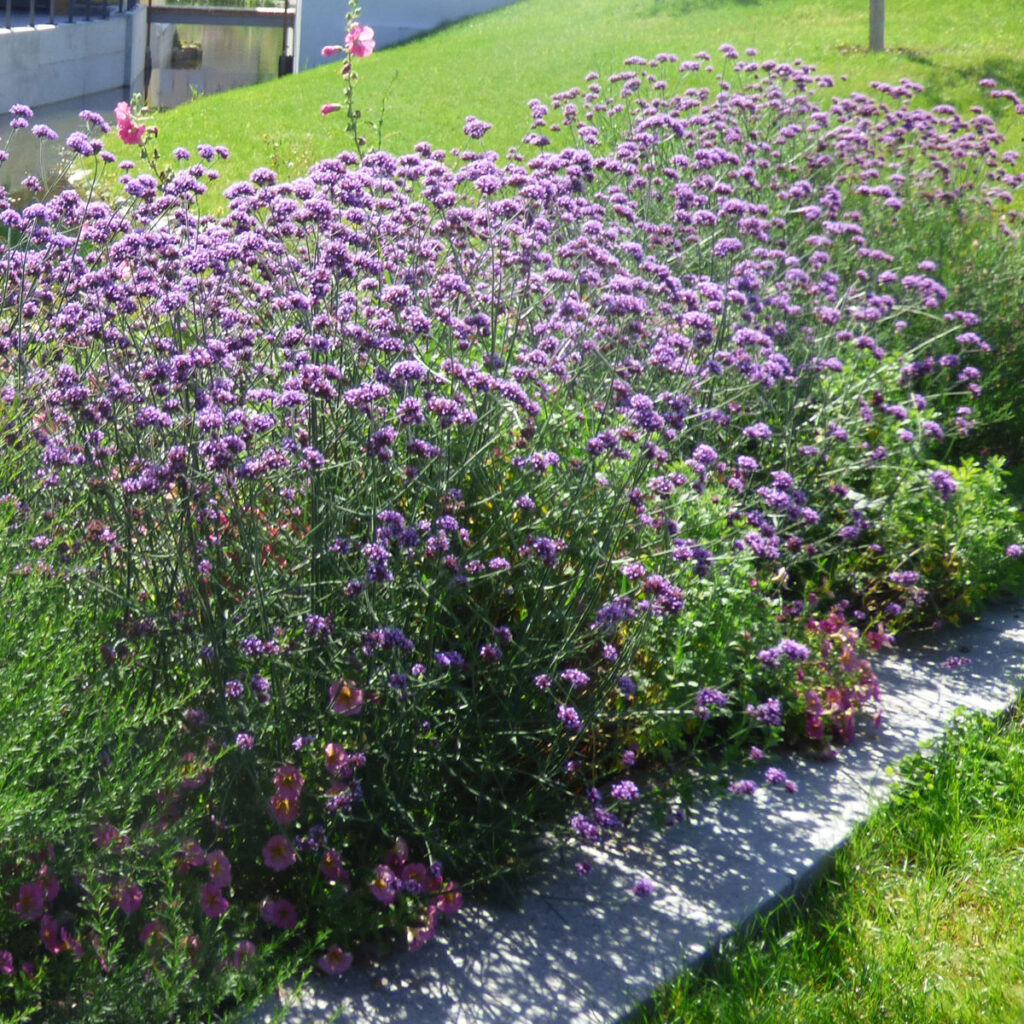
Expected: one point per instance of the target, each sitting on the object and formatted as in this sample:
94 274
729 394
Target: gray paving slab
585 950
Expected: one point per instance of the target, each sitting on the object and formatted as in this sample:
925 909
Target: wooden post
876 33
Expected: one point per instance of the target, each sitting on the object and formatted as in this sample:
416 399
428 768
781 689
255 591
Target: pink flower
128 131
278 853
335 961
332 51
49 933
450 900
6 962
414 877
105 834
220 868
283 809
153 930
360 42
330 108
345 699
245 950
384 885
58 940
30 902
192 854
71 944
334 758
331 868
212 901
280 913
49 881
288 781
127 896
419 937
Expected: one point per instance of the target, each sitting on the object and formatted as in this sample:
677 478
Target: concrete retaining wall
52 64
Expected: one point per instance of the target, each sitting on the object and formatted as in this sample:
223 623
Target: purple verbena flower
943 482
643 887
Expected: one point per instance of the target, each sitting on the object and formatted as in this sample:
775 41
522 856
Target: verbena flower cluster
449 491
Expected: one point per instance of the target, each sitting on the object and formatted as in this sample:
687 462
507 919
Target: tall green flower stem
359 42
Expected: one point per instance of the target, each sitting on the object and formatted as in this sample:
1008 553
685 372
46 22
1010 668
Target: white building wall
320 23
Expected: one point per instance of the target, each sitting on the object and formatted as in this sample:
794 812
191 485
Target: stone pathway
587 951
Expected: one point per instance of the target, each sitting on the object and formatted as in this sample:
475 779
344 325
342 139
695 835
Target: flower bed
420 503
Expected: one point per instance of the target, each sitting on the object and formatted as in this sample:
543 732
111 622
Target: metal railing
82 10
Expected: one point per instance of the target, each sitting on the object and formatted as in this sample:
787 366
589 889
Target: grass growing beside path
921 920
490 66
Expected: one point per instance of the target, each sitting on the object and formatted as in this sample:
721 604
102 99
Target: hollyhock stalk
359 42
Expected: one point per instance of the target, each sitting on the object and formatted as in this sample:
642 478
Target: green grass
920 922
491 65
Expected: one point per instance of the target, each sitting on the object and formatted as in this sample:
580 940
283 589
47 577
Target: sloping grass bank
490 66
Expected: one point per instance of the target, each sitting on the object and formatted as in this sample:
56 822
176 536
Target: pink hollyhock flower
127 896
220 868
330 108
332 51
331 868
6 962
278 853
345 699
31 901
128 131
288 781
360 42
335 961
279 913
212 901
